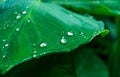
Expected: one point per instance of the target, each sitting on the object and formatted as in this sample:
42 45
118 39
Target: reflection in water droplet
43 45
17 29
63 40
24 12
69 33
18 17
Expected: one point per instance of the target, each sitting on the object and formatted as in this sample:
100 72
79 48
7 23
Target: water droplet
4 56
15 12
34 51
34 55
81 33
71 15
6 45
63 40
24 12
6 65
3 40
18 17
43 45
33 44
28 20
4 27
69 33
27 6
17 29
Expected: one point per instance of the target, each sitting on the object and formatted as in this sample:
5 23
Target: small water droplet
24 12
4 56
69 33
34 55
6 65
71 15
18 17
81 33
3 40
63 40
28 20
33 44
43 45
34 51
17 29
6 45
15 12
27 6
4 27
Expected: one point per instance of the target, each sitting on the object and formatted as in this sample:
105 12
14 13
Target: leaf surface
30 29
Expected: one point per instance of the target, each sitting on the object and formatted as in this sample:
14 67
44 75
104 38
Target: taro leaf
30 29
88 64
99 7
80 63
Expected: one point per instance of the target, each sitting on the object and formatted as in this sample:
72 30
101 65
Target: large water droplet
43 45
63 40
18 17
69 33
24 12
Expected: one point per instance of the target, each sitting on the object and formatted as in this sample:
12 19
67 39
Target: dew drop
15 12
24 12
33 44
28 20
71 15
18 17
17 29
34 55
27 6
4 56
34 52
3 40
6 45
4 27
69 33
63 40
43 45
81 33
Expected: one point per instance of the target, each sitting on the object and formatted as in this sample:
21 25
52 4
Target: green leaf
79 63
30 29
88 64
98 7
